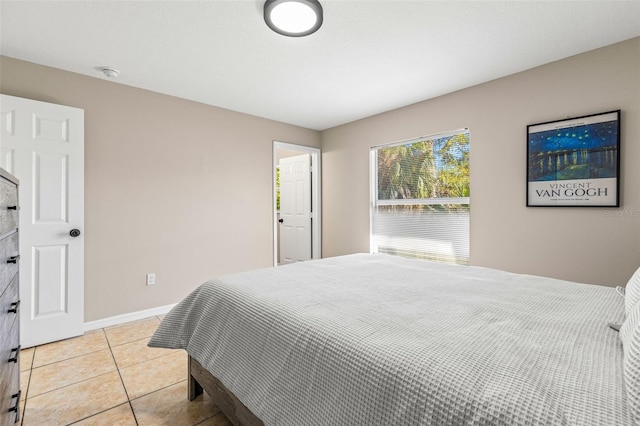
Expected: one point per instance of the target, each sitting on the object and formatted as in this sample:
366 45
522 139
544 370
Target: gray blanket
381 340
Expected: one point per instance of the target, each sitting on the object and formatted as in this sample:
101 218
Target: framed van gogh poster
574 162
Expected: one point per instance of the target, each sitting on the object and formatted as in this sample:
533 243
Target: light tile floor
110 377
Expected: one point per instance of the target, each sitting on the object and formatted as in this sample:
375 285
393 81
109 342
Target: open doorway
296 203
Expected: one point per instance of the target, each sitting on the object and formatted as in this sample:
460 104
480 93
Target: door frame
316 198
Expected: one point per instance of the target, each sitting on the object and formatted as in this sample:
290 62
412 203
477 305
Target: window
420 198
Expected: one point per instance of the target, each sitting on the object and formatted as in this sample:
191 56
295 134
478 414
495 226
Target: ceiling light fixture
293 18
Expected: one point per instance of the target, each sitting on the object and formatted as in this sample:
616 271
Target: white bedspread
380 340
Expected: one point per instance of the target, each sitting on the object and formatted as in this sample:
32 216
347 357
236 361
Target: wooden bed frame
232 407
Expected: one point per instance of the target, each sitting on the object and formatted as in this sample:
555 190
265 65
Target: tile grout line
96 414
72 384
26 394
126 392
128 402
67 386
118 368
66 359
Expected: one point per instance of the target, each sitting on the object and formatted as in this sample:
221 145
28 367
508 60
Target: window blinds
420 198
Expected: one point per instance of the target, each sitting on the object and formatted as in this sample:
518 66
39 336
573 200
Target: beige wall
159 197
592 245
171 186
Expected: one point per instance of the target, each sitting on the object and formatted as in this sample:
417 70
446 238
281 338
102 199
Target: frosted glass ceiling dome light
293 18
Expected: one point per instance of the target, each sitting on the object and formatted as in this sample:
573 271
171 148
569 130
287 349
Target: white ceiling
368 57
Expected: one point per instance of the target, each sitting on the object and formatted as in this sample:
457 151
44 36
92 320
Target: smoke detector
110 72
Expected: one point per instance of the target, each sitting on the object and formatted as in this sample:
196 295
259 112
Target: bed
373 339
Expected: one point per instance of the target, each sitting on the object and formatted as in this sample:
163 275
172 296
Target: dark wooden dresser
9 302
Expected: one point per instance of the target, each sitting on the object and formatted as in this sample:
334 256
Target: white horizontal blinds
420 198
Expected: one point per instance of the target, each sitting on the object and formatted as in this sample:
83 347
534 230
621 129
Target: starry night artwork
574 162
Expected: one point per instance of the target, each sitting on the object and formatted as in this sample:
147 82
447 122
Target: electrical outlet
151 279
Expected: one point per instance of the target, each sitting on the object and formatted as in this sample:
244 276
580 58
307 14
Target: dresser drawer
8 300
10 376
8 250
8 207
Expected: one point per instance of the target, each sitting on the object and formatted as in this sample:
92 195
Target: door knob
74 233
281 220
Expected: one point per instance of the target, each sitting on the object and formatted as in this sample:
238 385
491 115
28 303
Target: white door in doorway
295 208
42 144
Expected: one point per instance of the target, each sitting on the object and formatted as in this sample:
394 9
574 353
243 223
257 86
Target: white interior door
42 144
295 208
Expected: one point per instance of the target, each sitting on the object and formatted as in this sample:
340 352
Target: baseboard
121 319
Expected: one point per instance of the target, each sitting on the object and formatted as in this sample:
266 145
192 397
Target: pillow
630 337
632 292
